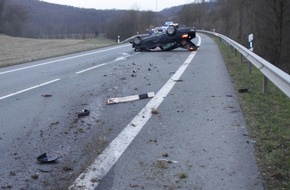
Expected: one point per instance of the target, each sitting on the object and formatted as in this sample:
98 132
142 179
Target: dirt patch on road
19 50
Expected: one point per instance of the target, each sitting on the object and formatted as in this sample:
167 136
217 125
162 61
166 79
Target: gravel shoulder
19 50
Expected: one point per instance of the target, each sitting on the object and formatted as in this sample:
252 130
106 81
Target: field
19 50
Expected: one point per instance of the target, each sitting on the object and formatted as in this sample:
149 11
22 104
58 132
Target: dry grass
19 50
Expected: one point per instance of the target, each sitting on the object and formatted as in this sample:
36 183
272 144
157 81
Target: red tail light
184 36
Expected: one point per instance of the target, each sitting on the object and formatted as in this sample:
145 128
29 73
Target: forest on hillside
268 20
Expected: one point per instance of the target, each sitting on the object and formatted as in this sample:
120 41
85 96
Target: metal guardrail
274 74
131 38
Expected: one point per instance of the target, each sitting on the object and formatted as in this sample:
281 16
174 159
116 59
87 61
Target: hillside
38 19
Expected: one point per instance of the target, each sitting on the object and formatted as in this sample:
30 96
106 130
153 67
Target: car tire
171 30
137 40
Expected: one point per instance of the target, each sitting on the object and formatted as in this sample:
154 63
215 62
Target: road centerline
27 89
91 178
124 57
59 60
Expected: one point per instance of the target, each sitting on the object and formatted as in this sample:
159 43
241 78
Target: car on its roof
166 38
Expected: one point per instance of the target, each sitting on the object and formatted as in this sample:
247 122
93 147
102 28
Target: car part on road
130 98
43 158
154 111
84 113
171 30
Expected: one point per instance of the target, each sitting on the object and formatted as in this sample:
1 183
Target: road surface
196 138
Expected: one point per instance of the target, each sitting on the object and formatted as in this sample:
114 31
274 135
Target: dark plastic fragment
43 158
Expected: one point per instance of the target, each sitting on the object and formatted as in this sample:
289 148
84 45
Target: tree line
268 20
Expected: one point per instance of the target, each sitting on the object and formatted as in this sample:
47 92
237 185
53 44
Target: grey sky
122 4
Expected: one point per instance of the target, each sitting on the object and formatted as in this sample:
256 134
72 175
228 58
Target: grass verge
267 117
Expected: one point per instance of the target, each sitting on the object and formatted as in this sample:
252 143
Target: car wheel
171 30
137 40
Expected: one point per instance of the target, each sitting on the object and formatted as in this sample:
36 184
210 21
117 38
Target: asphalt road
197 140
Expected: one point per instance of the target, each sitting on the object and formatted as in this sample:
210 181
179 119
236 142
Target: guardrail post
278 77
241 58
250 67
265 85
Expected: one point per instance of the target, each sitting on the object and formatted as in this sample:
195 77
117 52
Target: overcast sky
122 4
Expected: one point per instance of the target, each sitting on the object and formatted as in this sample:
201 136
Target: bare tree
12 18
272 24
2 3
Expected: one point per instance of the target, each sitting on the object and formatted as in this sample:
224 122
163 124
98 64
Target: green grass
267 117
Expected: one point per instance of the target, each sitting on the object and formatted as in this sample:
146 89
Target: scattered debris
84 113
168 161
179 80
12 173
95 180
228 95
243 90
43 158
165 155
252 141
155 141
154 111
182 175
34 176
47 95
54 123
44 171
130 98
161 164
67 168
136 185
7 187
133 75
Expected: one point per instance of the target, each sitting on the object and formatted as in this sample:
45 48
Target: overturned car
170 38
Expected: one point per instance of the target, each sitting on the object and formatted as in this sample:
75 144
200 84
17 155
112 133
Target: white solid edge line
58 60
93 175
27 89
199 40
